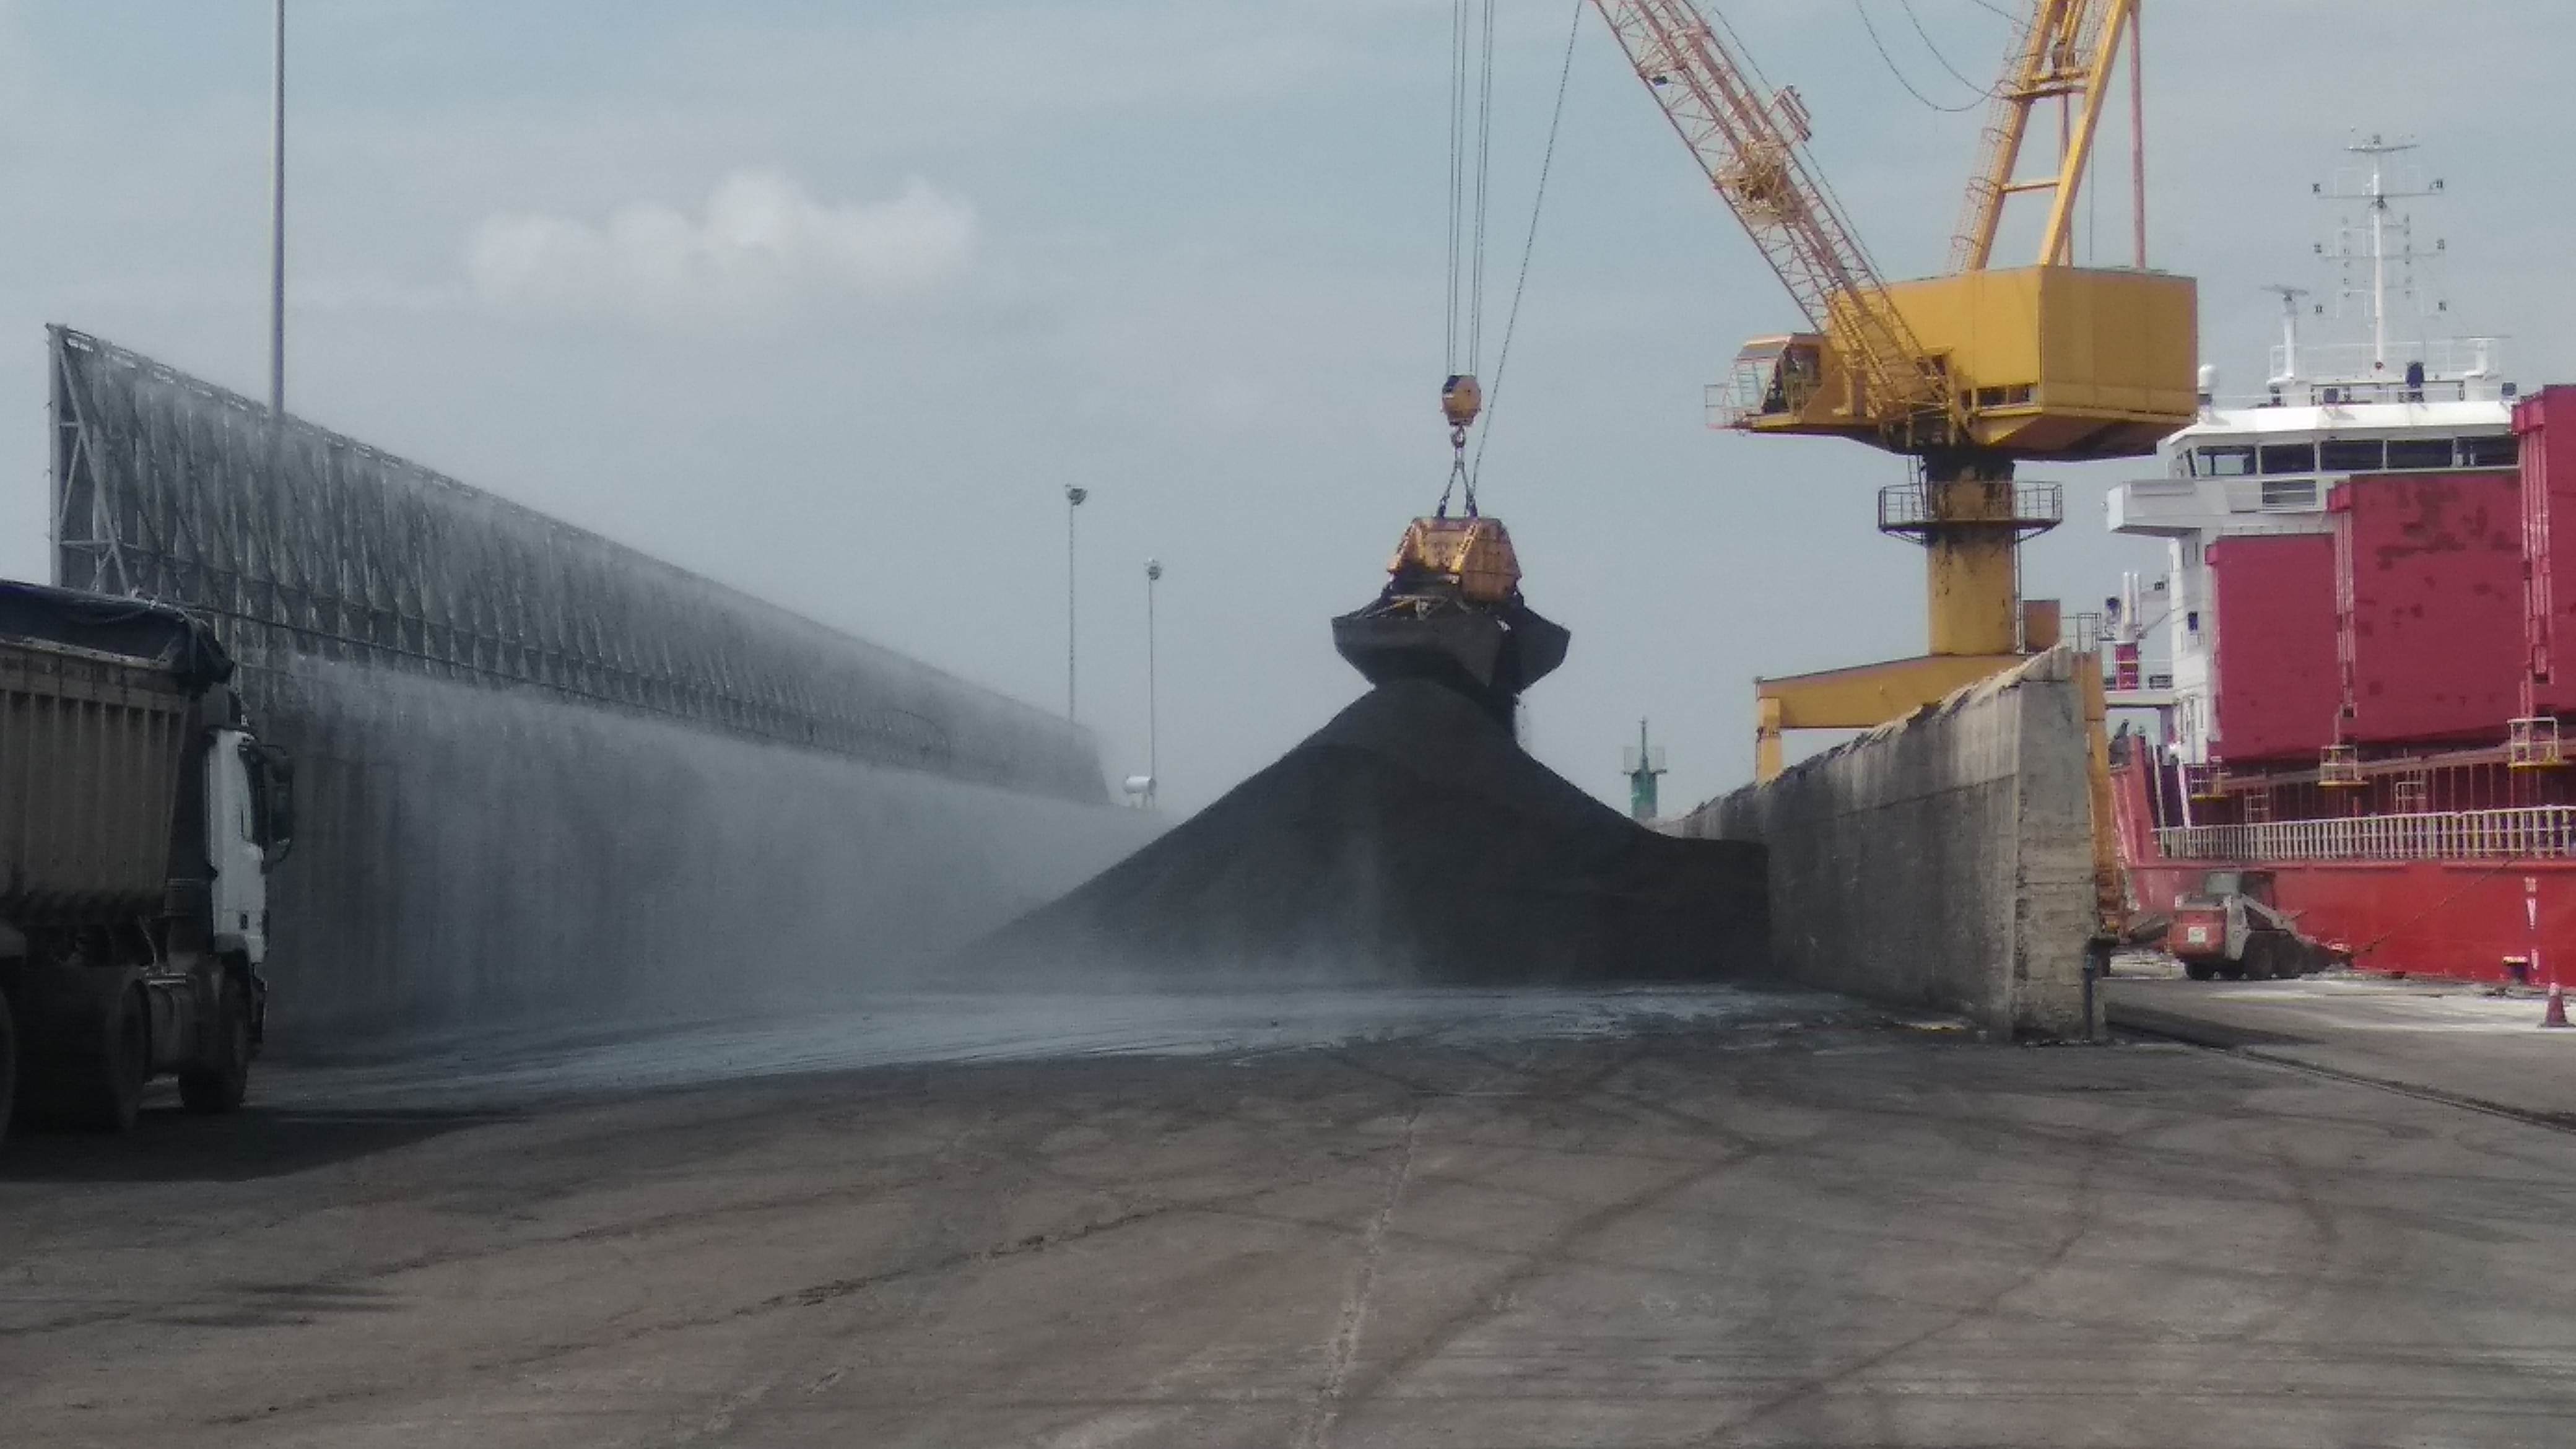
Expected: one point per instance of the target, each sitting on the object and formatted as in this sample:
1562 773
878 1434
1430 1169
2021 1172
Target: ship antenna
2375 193
2285 371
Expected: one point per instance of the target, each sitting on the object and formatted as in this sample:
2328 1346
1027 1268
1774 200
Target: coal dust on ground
1410 840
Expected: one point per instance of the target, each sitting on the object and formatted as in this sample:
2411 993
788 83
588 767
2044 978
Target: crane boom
2068 48
1750 140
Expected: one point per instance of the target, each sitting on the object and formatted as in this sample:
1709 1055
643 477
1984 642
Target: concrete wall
1944 861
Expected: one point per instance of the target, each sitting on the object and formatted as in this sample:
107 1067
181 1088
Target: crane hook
1460 400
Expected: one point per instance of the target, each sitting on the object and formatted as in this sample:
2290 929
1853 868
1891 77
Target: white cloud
764 248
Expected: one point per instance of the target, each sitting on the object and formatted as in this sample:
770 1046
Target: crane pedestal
1970 517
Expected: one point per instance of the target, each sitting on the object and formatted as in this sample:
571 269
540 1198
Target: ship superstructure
2358 690
2264 468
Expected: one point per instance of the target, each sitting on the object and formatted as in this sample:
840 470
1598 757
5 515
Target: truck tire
103 1085
219 1085
2199 970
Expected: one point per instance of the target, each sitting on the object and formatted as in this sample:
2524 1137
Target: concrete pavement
2441 1039
1748 1230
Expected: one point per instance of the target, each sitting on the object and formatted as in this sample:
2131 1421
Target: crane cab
1774 381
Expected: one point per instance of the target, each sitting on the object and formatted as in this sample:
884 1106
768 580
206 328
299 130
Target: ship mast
2375 192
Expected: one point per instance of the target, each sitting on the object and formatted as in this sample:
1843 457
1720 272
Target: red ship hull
2462 916
2463 920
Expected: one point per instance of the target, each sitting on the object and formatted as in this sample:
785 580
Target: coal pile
1410 840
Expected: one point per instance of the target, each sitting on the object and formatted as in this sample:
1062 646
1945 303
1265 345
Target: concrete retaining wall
1944 861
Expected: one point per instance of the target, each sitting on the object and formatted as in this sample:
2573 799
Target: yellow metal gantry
2066 52
1966 373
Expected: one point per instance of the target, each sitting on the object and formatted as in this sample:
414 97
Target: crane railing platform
2025 509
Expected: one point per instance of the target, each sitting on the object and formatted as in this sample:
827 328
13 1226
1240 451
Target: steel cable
1989 92
1880 46
1529 244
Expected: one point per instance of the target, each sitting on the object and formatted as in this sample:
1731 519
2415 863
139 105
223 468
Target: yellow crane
1967 373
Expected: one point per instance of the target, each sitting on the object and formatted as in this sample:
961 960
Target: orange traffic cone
2556 1015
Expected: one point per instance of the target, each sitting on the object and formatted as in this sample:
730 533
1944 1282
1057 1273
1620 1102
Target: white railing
2454 368
2537 831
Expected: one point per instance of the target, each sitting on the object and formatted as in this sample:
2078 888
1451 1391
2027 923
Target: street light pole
277 218
1153 738
1073 498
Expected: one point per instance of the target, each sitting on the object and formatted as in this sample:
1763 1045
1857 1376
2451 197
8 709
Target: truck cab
249 826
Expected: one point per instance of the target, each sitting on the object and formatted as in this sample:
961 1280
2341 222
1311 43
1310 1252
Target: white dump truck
139 817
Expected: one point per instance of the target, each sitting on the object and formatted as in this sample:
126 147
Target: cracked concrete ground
1707 1234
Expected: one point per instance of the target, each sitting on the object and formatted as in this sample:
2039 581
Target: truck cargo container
139 816
2429 602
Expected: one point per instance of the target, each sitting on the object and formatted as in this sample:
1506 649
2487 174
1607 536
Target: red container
2428 583
2278 680
2546 423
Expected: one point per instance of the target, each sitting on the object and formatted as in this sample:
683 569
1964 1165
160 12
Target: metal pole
2066 143
1072 500
1153 734
2378 263
2138 124
277 221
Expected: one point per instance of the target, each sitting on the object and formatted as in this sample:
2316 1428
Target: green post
1642 765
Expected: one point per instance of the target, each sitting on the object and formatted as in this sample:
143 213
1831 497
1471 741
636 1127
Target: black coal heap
1409 839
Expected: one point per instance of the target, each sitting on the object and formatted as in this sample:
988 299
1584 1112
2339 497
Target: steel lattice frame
2065 48
301 542
1750 141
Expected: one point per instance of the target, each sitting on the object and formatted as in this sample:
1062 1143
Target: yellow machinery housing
2045 362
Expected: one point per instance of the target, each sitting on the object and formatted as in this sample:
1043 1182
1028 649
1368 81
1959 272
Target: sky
831 301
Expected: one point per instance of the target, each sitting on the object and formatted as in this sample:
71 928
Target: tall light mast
1074 498
277 215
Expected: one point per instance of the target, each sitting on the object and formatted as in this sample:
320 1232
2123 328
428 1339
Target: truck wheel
220 1085
2258 961
2199 970
106 1082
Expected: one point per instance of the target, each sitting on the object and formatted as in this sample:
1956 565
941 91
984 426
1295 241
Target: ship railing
2454 369
2544 832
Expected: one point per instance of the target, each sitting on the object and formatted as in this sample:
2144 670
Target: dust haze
472 857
